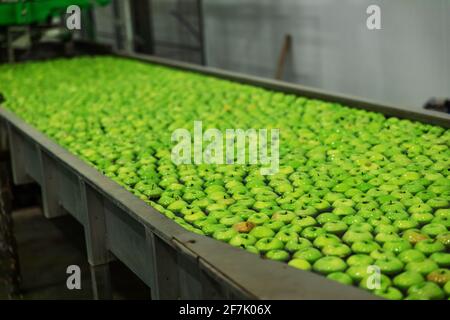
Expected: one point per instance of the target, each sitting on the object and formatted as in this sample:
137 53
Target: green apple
258 219
320 205
389 266
378 221
231 220
312 233
289 228
177 206
309 253
359 259
405 224
429 246
352 219
260 232
384 237
437 203
401 194
242 240
306 211
426 290
210 229
367 282
390 293
381 254
201 203
283 216
361 227
397 246
420 208
267 244
444 238
331 197
358 272
224 235
424 267
407 279
325 239
413 201
200 223
445 221
439 276
365 247
329 264
305 222
442 213
286 236
278 255
244 213
336 249
335 227
326 217
386 199
344 211
447 289
260 205
422 218
399 214
414 236
340 277
366 204
300 243
385 228
392 206
441 258
425 195
362 199
352 236
370 213
413 187
219 214
411 255
191 218
251 248
301 264
278 225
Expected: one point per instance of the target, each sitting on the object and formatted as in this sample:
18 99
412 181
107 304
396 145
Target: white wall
405 63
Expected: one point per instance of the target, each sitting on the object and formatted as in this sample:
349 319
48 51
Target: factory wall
405 63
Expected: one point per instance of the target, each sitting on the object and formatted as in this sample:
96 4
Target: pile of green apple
354 189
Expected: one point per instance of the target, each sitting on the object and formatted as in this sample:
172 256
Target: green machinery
24 12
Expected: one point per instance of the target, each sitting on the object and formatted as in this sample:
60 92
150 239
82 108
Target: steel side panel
126 239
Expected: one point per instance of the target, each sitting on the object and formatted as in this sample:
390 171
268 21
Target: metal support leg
101 282
95 234
8 245
51 204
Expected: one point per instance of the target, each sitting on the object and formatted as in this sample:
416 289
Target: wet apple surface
354 189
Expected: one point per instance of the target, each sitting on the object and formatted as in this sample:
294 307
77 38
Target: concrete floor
48 247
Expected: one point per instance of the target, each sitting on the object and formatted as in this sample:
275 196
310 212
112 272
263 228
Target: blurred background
319 43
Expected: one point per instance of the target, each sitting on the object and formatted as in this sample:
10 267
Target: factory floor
48 247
